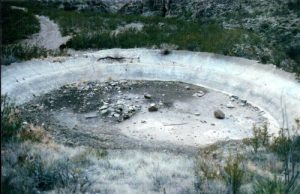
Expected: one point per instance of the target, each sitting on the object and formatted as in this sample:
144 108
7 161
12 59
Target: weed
260 137
18 52
275 185
206 169
10 119
233 173
32 133
28 170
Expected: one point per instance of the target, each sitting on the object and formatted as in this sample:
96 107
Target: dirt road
49 36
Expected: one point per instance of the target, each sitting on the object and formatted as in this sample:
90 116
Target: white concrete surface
263 85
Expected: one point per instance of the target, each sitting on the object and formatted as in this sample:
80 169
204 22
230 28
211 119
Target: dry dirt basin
272 90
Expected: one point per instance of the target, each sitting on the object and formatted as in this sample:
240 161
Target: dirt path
49 36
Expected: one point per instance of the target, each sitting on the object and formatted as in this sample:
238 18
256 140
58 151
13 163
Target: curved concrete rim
273 90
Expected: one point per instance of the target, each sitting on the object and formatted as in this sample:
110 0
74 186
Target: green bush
32 174
281 145
260 137
17 24
10 119
268 186
205 169
275 185
287 147
18 52
233 173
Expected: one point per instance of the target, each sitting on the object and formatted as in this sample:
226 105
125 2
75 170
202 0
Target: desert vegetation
90 30
94 30
261 164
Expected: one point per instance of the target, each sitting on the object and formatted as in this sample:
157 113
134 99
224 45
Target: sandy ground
49 36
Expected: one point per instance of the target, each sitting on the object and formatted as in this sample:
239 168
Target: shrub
10 119
260 137
27 171
287 147
233 173
32 133
267 186
281 144
206 170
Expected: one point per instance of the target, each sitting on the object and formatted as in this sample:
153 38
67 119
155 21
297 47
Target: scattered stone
153 108
234 97
230 105
118 110
113 83
219 114
103 107
199 94
147 96
126 116
187 87
110 109
197 114
116 115
244 101
90 115
104 112
143 121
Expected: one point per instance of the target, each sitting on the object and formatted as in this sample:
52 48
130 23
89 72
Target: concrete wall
262 85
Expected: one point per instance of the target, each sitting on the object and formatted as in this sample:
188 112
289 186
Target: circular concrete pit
181 117
94 96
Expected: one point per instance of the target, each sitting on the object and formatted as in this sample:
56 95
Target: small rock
244 101
219 114
197 114
113 83
143 121
147 96
126 116
103 107
104 112
230 105
131 109
110 109
187 87
199 94
235 97
116 115
152 108
91 115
